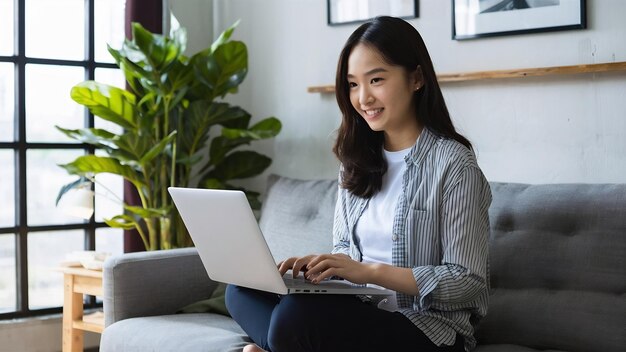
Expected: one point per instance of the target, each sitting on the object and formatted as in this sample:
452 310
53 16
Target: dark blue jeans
324 323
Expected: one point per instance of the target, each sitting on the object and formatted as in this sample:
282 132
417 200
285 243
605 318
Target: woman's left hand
327 265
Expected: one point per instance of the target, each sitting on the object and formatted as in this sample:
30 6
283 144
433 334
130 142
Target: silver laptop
233 249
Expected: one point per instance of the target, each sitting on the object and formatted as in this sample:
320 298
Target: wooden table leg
72 310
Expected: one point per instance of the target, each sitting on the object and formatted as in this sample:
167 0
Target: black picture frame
406 9
472 19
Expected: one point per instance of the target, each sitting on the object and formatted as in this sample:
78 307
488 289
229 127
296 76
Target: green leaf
147 212
81 182
94 136
232 59
190 160
270 125
199 119
134 146
240 118
179 36
88 135
157 149
148 99
92 164
132 79
133 54
234 133
108 102
212 183
132 70
125 222
224 37
267 128
159 50
180 76
223 70
220 146
178 98
240 164
115 53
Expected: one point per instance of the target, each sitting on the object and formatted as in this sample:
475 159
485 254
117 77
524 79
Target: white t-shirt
375 226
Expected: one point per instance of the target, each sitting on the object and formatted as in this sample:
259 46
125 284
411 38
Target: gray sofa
558 272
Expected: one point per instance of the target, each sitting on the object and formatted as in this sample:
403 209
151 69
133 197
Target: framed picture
356 11
488 18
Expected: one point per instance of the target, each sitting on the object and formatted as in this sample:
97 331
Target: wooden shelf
514 73
93 322
533 72
79 270
78 281
321 89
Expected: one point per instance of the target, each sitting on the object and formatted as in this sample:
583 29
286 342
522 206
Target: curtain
150 14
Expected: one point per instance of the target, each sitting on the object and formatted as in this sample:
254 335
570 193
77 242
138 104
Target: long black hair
358 147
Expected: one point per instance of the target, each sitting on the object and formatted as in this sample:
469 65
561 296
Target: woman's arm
341 232
341 237
327 265
394 278
462 274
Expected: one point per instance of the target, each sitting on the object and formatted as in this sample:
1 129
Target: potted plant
177 130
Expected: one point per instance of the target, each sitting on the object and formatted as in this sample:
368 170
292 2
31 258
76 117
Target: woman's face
381 93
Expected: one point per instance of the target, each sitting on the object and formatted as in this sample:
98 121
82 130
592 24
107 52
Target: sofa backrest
297 216
557 257
558 267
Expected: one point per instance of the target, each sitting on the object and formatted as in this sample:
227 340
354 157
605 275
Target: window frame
20 146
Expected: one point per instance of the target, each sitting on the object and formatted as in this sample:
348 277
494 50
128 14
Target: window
46 47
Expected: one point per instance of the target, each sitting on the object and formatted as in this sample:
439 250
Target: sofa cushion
297 216
179 332
558 263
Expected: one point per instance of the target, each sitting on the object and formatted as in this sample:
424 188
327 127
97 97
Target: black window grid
20 146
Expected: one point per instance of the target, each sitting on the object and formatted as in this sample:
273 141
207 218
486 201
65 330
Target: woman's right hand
295 264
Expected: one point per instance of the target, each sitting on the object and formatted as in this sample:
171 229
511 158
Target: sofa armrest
153 283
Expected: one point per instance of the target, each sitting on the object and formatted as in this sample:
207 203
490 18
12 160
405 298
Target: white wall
535 130
197 16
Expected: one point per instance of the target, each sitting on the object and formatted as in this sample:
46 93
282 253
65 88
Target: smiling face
383 95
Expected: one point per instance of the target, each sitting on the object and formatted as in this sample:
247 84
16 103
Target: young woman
411 216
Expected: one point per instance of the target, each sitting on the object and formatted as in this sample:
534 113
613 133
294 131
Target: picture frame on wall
488 18
357 11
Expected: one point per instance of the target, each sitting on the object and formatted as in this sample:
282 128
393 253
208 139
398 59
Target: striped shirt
440 230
